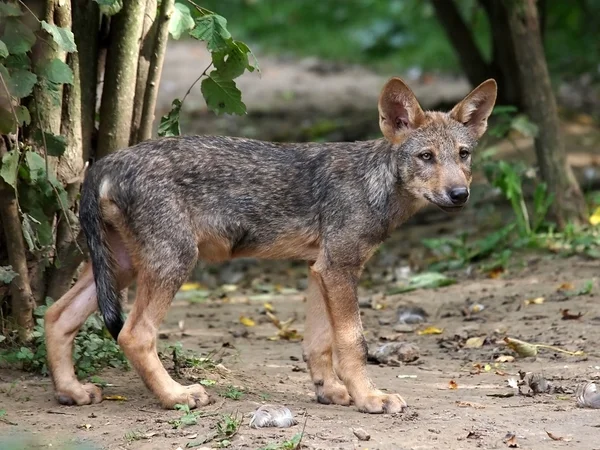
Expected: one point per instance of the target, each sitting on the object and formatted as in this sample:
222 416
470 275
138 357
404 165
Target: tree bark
155 70
23 302
116 109
504 62
86 25
539 101
471 59
143 67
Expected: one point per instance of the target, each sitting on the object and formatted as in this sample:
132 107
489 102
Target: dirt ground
459 397
269 371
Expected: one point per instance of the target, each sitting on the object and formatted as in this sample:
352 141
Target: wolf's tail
94 228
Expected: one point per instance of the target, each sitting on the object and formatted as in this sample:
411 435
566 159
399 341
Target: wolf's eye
464 153
426 156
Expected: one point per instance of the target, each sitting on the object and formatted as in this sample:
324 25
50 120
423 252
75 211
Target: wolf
151 211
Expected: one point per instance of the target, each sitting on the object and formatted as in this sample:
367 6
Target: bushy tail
109 299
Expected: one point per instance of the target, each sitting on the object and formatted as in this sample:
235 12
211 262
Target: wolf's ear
474 110
399 111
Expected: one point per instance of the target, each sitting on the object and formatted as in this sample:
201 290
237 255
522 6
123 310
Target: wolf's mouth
444 206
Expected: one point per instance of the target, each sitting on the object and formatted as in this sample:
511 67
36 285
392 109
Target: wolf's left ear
474 110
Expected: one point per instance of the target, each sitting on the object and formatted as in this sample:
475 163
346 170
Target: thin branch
196 81
30 11
155 69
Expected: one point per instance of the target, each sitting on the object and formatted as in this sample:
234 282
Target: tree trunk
154 73
23 302
471 59
504 62
538 98
143 67
116 109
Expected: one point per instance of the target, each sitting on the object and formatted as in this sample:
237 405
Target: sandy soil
439 417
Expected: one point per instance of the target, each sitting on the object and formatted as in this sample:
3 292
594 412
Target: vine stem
30 11
14 112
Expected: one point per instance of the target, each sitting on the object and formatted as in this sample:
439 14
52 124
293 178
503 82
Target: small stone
393 353
412 315
361 434
404 328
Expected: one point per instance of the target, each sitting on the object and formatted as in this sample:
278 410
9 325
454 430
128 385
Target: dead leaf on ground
505 359
247 321
464 404
568 286
535 301
511 440
285 332
588 396
526 349
272 416
190 287
430 330
475 342
115 398
502 394
496 273
556 438
566 315
452 385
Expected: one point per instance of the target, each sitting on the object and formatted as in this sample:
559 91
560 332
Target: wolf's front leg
318 348
338 287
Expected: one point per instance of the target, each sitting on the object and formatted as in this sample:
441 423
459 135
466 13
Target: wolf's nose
459 195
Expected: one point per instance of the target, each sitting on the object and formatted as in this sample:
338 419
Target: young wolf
151 211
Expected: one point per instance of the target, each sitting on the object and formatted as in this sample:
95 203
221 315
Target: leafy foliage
7 274
230 59
94 349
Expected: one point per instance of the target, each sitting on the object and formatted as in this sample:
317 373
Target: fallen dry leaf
595 218
555 437
568 286
535 301
430 330
452 385
526 349
522 348
268 307
566 315
505 359
247 321
115 398
475 342
496 273
190 287
502 394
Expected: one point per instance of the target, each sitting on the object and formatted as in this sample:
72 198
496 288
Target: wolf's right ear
399 111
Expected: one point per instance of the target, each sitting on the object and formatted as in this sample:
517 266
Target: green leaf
37 166
231 62
169 123
423 281
10 10
57 72
7 274
110 7
21 83
8 171
222 95
3 50
23 115
7 121
181 21
62 36
18 62
212 28
18 37
56 145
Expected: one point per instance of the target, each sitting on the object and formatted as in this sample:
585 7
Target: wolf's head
434 148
